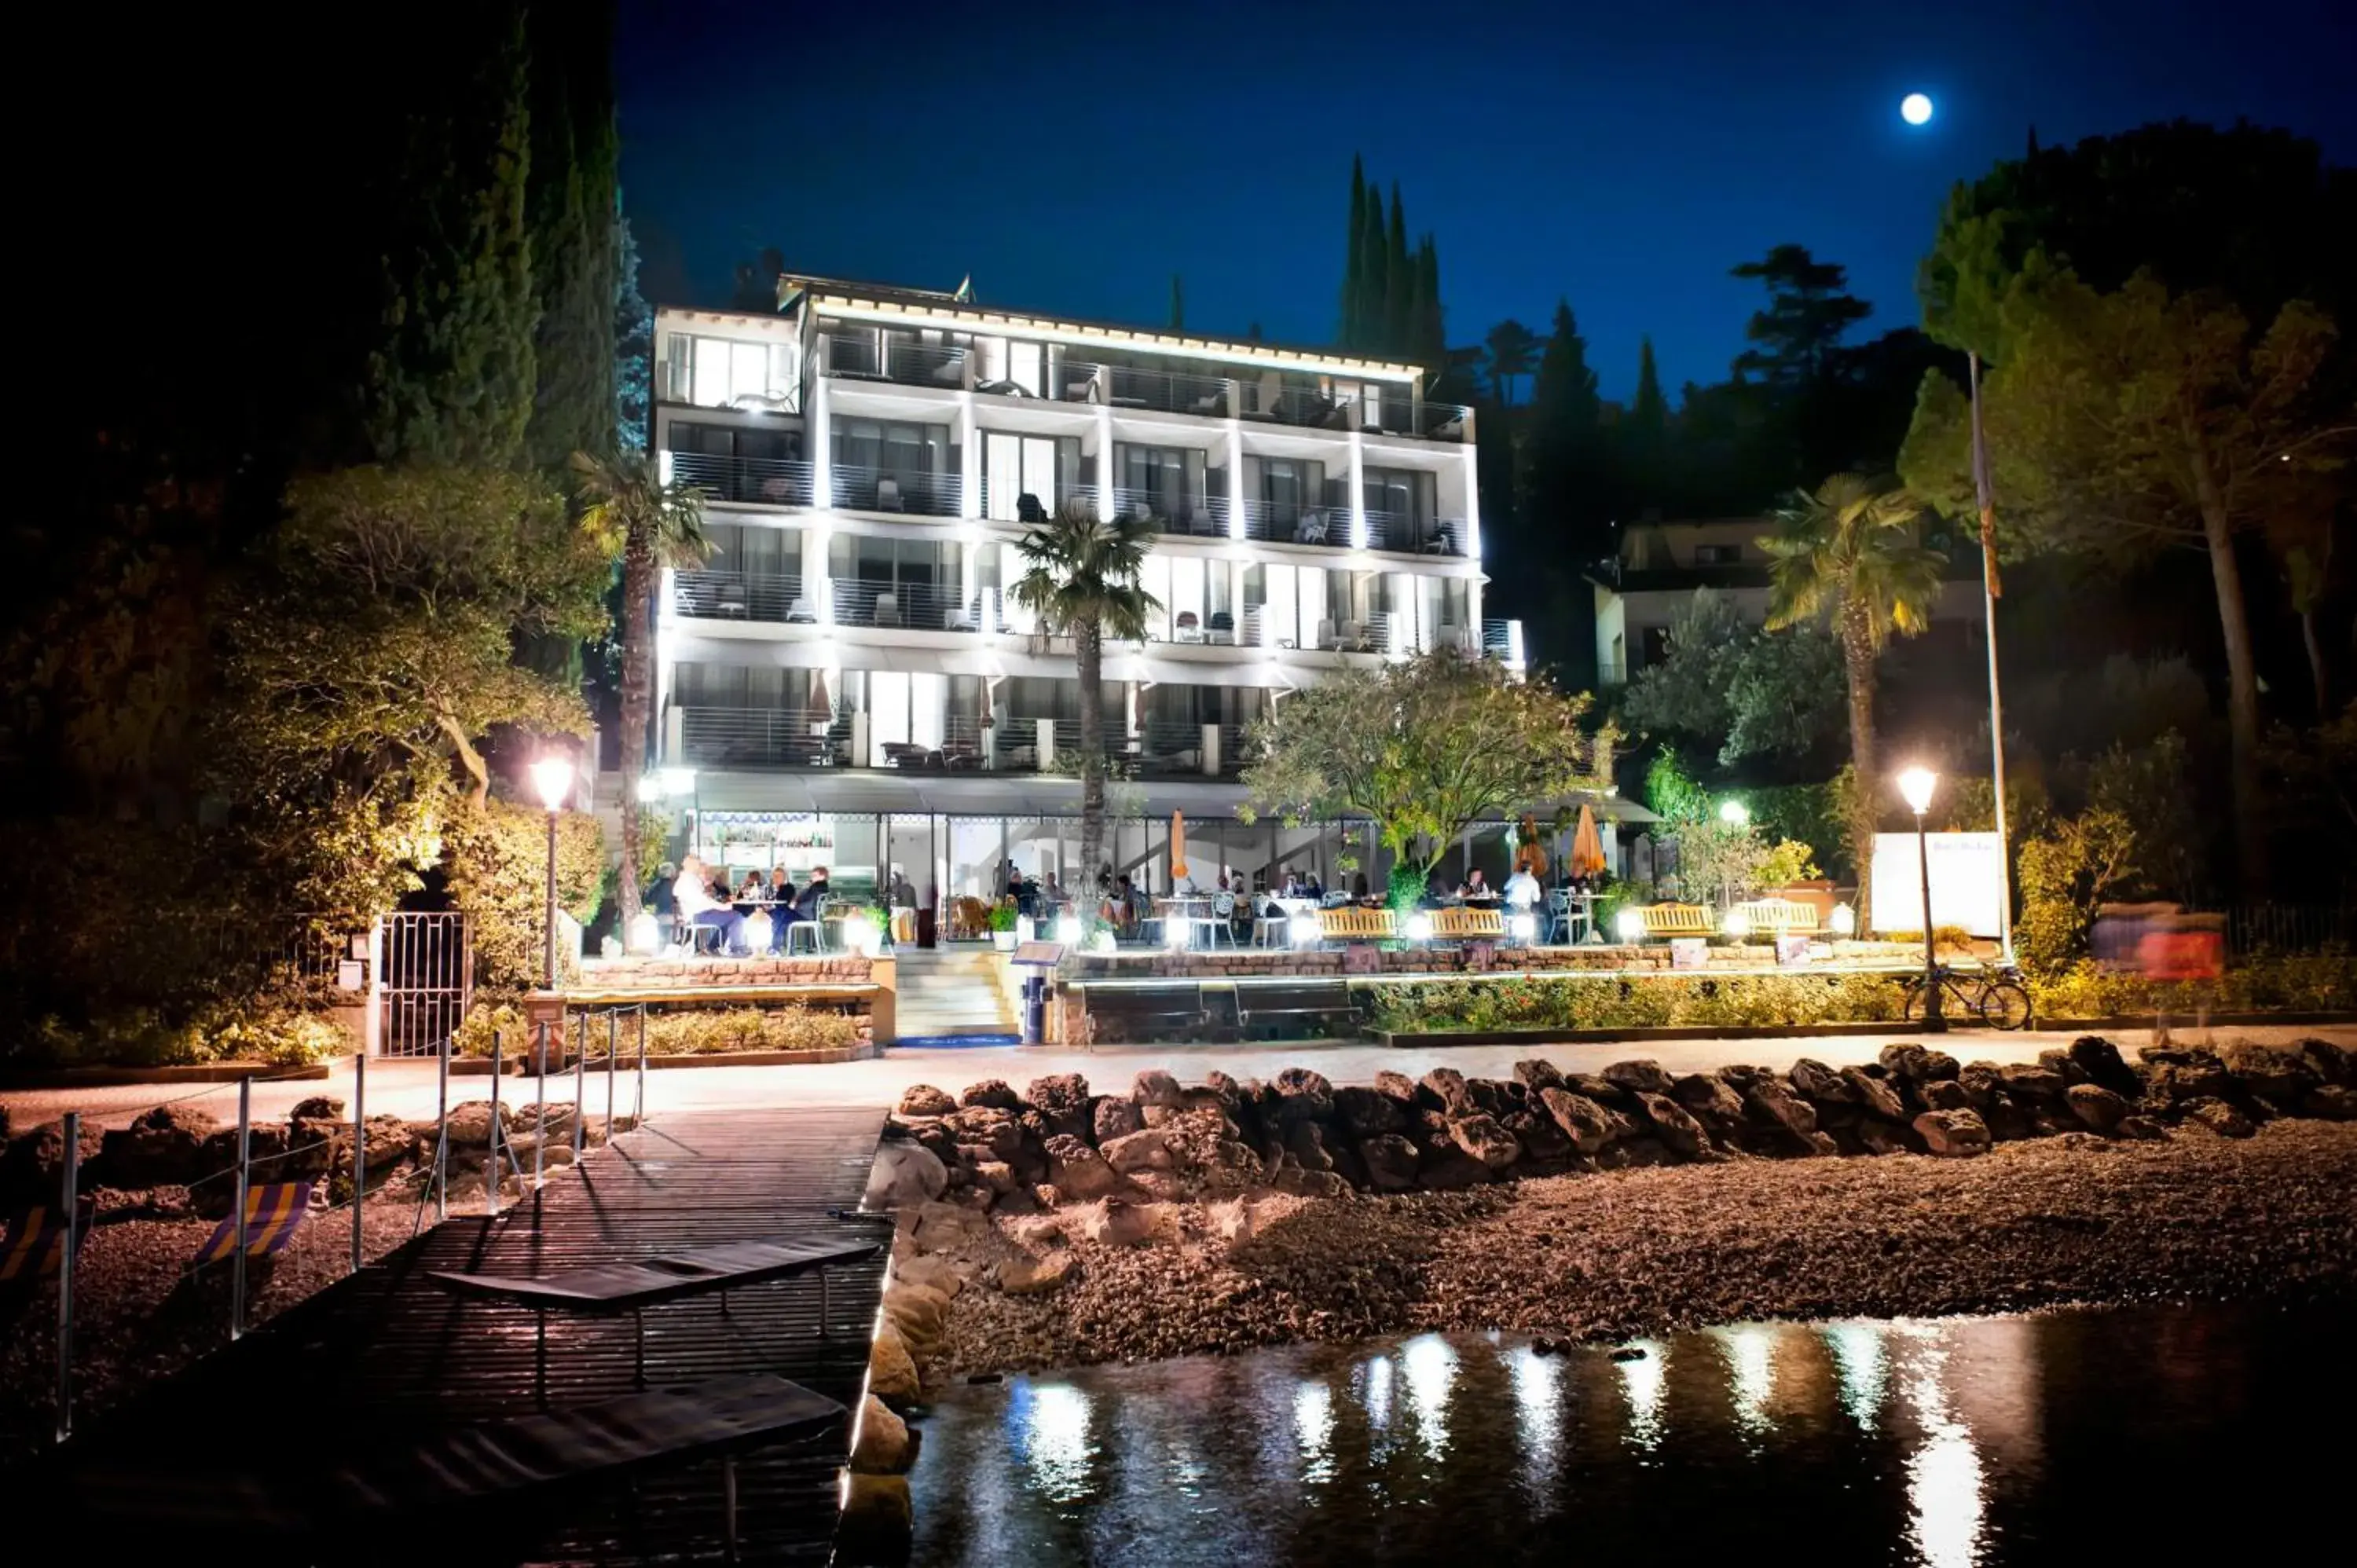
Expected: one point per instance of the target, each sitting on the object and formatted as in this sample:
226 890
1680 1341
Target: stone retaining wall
1446 962
670 973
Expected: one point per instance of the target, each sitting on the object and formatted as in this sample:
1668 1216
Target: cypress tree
1431 346
1645 432
1178 306
1354 264
634 342
1399 283
1374 277
576 153
452 378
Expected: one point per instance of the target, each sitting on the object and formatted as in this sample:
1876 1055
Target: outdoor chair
1220 921
888 609
1558 914
887 496
1312 530
799 612
1271 925
1028 510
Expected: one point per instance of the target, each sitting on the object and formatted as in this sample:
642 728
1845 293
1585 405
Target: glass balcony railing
861 356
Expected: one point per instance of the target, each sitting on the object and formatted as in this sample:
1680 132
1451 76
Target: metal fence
424 981
2290 927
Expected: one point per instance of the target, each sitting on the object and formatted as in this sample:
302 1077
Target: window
1042 467
917 462
1008 364
722 372
1718 554
1167 482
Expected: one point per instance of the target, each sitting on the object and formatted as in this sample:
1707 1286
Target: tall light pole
1989 590
1916 785
551 776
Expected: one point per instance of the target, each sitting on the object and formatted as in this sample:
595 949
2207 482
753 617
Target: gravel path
2040 1222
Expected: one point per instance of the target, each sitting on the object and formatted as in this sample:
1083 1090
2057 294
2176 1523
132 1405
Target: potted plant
1002 925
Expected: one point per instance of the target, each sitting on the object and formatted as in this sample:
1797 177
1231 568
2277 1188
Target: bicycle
1996 996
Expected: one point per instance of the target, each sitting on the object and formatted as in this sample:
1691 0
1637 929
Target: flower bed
1639 1001
692 1031
2265 982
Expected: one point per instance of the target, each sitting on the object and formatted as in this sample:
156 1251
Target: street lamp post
551 776
1916 785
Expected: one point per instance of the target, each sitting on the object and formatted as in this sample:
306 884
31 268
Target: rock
1535 1073
883 1448
996 1177
1709 1098
1305 1096
2194 1075
1311 1184
162 1148
919 1313
2140 1127
1306 1142
1112 1223
1480 1136
1679 1130
470 1124
1815 1080
877 1519
1946 1094
1876 1093
1231 1222
924 1100
1772 1103
1035 1276
1110 1118
2334 1064
1541 1139
2033 1080
2060 1062
1642 1077
1917 1064
1363 1114
1397 1087
2221 1118
1062 1102
903 1175
1141 1151
994 1131
892 1370
1982 1084
2101 1109
1880 1137
1601 1090
1449 1170
1227 1092
1952 1134
992 1092
318 1108
1589 1126
2279 1075
2333 1102
2099 1059
931 1270
1444 1088
1155 1087
945 1227
1079 1172
1391 1162
2006 1122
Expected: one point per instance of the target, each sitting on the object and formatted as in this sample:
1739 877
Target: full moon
1915 109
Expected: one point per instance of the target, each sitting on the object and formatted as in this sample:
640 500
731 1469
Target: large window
1399 503
1011 367
882 581
895 466
724 372
1165 481
1046 468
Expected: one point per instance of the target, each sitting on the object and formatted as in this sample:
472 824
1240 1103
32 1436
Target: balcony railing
925 606
1165 391
1011 508
859 489
1438 421
1287 523
761 738
1407 533
766 480
1502 639
965 747
860 357
746 595
1172 514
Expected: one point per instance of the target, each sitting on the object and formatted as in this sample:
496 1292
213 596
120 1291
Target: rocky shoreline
1043 1230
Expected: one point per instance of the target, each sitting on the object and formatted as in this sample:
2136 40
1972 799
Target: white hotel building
846 679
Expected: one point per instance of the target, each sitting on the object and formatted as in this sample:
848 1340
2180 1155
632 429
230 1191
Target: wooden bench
1465 922
1779 917
1348 923
1144 1014
1263 1007
1676 921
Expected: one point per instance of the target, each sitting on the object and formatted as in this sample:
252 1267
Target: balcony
761 738
1406 533
1502 639
766 481
1010 508
1289 523
858 357
923 607
906 490
775 597
769 738
1179 515
1161 391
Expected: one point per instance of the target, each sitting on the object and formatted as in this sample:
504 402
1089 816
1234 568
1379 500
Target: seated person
658 898
1311 888
1476 891
1359 887
699 907
781 907
814 895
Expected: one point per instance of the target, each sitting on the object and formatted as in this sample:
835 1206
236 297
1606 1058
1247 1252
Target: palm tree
1852 550
1081 579
649 525
1514 351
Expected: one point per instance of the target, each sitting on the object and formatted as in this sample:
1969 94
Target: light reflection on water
1917 1443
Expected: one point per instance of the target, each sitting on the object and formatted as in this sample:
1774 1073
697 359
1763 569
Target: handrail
860 488
767 480
745 595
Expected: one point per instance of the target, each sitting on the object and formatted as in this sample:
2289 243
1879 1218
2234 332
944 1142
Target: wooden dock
386 1353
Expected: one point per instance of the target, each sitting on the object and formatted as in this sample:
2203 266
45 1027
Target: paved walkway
406 1089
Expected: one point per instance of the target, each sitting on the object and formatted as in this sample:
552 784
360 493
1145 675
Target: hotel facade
848 681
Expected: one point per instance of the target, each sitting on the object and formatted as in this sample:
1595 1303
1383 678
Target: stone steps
952 991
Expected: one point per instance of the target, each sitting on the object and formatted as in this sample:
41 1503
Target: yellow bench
1779 917
1352 924
1676 921
1458 923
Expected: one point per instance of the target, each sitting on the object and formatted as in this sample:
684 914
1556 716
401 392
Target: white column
1358 492
1235 465
970 458
1046 743
816 582
1104 455
822 429
1472 508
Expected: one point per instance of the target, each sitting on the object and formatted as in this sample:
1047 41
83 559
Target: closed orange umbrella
1586 845
820 710
1177 846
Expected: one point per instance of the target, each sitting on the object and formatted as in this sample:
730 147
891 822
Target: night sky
1073 157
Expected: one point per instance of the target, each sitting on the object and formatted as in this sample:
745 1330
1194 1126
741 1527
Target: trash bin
928 924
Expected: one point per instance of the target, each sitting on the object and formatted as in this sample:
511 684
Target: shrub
498 863
1615 1002
2322 982
215 1032
710 1032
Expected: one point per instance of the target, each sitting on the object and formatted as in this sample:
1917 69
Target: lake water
2156 1434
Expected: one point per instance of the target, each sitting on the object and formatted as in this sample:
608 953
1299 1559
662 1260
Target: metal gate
424 978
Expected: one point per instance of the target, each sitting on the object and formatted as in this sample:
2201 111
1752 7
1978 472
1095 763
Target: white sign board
1967 881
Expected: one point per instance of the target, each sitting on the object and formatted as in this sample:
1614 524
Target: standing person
693 893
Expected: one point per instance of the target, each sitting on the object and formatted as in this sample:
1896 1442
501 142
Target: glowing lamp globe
1737 925
1419 927
646 934
1104 941
1915 109
1068 929
552 779
1523 928
1179 933
1629 926
1845 922
1735 813
1915 786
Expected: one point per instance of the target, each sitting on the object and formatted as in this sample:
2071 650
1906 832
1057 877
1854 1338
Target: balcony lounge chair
798 613
1211 402
1223 627
887 496
888 609
1312 530
1188 628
